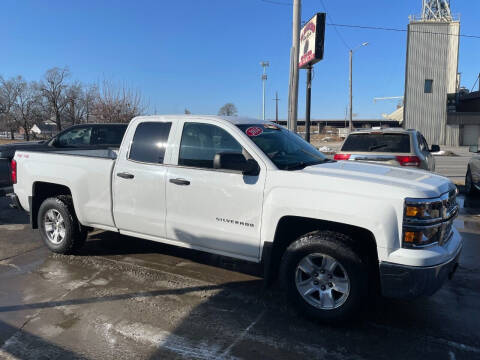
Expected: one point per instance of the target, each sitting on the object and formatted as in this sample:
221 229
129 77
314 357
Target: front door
139 182
209 208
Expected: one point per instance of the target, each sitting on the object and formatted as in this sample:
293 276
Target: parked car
397 147
331 231
85 136
472 178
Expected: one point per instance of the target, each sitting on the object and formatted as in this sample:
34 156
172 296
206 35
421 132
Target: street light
351 69
264 64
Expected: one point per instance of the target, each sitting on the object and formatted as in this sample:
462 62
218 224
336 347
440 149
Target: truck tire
324 277
59 226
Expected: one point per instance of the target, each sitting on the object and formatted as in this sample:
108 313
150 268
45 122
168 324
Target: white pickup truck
331 231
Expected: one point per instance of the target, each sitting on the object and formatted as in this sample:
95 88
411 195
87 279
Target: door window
79 136
150 142
425 143
200 142
421 144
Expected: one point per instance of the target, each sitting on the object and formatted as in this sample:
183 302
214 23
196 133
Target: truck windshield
287 150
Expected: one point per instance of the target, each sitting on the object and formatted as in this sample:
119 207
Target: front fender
376 215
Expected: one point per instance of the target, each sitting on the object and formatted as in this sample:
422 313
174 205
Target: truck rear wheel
59 226
324 277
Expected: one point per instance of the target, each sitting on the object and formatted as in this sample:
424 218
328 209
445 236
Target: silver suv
397 147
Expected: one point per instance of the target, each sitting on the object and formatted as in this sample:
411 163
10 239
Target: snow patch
150 335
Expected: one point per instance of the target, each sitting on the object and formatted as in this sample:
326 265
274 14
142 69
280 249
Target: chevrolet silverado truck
331 231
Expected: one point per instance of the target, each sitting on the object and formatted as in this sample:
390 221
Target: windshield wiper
302 165
377 147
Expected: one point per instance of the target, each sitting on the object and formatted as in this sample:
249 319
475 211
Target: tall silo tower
432 72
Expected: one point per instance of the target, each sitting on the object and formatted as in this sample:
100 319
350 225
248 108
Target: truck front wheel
324 277
59 226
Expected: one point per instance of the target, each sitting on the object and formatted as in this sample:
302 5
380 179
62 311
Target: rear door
139 181
212 208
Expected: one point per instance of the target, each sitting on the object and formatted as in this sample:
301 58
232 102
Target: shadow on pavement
113 244
10 216
24 345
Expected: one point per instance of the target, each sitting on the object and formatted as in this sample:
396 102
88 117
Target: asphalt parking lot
125 298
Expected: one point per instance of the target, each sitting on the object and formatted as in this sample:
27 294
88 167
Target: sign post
312 38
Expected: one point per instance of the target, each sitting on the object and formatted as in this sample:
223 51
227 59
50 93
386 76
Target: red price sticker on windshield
254 131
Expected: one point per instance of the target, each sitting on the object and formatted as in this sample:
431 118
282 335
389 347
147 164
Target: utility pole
276 106
264 64
293 84
308 103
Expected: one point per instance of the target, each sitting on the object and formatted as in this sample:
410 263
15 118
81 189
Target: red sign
254 131
311 41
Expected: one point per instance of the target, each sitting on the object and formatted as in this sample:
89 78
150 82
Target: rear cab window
378 142
150 142
108 135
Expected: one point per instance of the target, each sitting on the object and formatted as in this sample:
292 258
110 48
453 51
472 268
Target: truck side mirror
435 148
237 162
473 149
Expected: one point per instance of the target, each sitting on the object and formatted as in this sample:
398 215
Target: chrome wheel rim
54 226
322 281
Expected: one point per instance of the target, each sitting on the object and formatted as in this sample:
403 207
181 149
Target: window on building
428 86
200 143
149 142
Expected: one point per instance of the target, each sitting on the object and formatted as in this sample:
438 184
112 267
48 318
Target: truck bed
86 173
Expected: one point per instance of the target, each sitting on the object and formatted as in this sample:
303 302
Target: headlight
428 221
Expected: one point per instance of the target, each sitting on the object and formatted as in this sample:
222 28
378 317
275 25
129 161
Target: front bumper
409 282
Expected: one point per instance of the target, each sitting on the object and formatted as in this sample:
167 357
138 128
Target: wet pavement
125 298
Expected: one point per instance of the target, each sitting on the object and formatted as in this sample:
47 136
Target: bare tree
74 111
90 99
118 104
228 109
27 107
8 97
53 87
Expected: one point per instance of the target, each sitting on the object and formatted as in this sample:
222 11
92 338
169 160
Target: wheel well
42 191
290 228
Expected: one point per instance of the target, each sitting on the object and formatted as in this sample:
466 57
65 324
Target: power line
336 30
332 23
277 2
401 30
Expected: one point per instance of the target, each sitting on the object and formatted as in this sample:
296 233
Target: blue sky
200 54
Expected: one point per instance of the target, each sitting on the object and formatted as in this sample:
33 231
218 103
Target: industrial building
432 73
464 112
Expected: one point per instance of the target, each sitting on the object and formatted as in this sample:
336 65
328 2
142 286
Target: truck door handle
125 175
180 181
